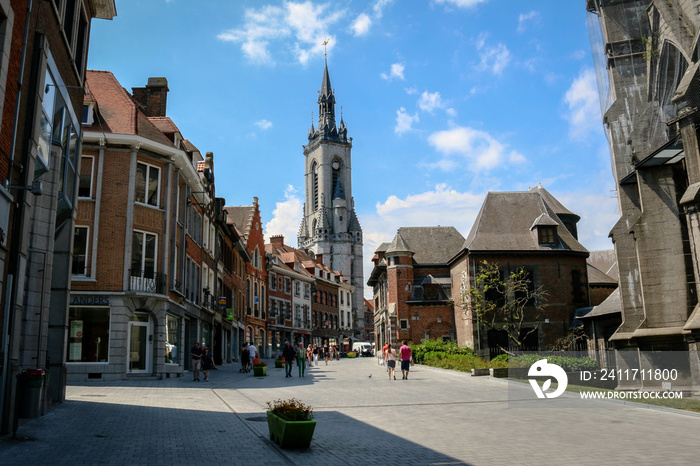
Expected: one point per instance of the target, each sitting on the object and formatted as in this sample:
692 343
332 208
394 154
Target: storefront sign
222 302
89 300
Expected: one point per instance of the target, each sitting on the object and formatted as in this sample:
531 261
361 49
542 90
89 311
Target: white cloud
584 106
474 149
429 101
404 121
286 217
578 54
361 25
396 72
492 58
411 90
263 124
524 18
442 205
307 23
378 7
462 3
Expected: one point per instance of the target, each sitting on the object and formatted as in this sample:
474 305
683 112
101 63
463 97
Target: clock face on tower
336 164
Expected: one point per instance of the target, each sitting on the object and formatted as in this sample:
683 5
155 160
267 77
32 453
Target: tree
507 303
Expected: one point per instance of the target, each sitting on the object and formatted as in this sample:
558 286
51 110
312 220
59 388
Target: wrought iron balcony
147 282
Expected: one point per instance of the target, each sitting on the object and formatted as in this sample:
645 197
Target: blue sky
445 100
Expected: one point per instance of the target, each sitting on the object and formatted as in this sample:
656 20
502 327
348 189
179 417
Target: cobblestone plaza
435 417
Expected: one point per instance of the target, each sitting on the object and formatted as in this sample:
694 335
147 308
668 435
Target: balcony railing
147 282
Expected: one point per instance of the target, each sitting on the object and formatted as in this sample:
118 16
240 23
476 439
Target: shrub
438 346
291 410
566 363
259 363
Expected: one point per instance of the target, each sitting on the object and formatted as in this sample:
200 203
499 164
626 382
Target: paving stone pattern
435 417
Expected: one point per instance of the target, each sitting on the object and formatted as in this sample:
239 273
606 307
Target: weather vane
325 49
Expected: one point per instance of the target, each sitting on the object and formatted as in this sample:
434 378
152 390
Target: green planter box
352 355
290 434
259 370
279 364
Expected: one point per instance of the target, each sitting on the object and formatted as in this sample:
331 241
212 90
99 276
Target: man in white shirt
253 351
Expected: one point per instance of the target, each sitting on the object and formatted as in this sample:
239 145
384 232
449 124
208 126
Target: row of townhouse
159 262
157 265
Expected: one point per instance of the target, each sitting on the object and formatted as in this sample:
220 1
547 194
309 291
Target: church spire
326 106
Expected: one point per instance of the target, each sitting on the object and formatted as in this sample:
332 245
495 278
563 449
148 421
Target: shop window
172 340
88 338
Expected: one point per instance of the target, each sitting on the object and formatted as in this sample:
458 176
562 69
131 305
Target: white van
364 348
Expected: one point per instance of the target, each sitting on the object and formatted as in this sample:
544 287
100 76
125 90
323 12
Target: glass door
139 348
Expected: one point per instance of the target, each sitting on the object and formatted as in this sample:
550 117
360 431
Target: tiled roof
504 222
552 202
241 217
611 305
606 261
431 245
597 276
116 112
164 124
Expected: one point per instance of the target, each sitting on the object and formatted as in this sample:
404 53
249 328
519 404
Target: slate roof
598 277
241 217
430 245
398 245
116 112
552 202
606 261
611 305
505 220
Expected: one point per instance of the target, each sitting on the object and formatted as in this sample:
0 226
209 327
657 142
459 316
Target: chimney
277 241
319 258
153 98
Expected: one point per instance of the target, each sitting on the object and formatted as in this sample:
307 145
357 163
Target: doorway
140 344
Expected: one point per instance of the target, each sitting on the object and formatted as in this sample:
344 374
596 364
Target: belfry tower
330 228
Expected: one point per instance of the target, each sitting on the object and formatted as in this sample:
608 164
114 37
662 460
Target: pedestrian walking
288 353
384 354
337 353
196 354
310 354
207 364
314 352
301 359
245 359
405 351
390 357
253 352
326 351
332 352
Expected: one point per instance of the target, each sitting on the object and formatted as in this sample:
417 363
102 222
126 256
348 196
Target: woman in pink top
390 354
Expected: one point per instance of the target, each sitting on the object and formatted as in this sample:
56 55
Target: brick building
411 284
530 230
249 224
42 74
145 285
290 296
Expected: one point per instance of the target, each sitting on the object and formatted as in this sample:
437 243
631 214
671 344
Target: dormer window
547 234
88 114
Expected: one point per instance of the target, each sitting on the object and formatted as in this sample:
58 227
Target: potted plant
291 423
279 363
260 368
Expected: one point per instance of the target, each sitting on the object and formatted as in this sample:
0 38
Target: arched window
314 176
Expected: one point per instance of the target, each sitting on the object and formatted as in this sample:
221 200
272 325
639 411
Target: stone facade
40 142
330 229
651 78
